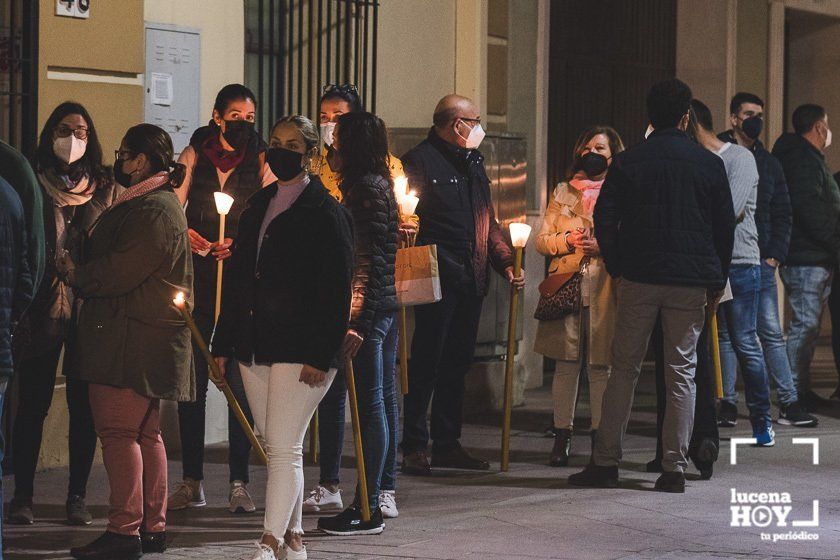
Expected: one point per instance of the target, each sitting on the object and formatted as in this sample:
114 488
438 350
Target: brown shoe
458 458
416 463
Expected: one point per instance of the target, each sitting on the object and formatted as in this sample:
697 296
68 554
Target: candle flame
179 299
401 185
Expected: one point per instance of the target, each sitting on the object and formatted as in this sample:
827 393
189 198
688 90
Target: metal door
172 81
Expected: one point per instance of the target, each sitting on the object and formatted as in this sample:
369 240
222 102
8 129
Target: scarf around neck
222 159
65 192
154 182
589 190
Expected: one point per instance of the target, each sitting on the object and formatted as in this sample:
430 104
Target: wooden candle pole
509 361
181 304
713 334
219 266
313 438
357 438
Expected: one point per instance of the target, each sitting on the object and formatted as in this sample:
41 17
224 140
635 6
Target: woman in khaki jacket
580 340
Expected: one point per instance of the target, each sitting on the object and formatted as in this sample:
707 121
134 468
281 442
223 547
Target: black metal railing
293 48
19 73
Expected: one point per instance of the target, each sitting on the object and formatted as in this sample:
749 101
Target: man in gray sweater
739 316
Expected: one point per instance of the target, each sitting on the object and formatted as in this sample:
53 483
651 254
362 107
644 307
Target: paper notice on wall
161 89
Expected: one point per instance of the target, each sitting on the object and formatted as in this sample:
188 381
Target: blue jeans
392 411
808 290
772 341
368 366
738 329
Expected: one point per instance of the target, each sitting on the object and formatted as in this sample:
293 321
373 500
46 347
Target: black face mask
120 176
285 164
593 164
237 133
752 127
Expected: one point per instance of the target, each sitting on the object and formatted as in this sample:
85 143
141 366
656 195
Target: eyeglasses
341 88
121 155
465 119
63 131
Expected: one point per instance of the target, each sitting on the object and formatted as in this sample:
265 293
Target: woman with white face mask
76 188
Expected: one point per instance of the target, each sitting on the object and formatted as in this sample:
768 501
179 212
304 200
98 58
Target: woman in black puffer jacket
361 144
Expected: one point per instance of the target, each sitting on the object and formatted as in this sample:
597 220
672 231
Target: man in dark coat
456 214
665 225
16 286
814 240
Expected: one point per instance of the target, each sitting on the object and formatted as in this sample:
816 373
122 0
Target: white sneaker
263 552
287 553
240 499
388 504
321 499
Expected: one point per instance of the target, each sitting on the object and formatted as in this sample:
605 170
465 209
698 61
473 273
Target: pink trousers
128 424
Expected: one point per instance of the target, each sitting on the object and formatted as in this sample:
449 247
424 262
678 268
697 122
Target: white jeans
282 407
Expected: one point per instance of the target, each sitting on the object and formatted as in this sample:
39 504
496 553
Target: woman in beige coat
580 340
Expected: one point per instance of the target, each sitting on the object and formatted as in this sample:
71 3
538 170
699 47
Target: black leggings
36 378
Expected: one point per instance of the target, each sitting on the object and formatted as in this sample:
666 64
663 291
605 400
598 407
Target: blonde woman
579 340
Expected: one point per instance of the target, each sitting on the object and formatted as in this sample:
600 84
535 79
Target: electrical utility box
172 81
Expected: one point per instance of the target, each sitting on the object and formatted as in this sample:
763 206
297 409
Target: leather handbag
559 295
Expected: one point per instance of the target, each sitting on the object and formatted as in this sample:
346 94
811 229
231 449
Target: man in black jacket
773 222
814 241
456 214
665 225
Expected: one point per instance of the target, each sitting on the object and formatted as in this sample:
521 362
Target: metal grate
295 47
19 73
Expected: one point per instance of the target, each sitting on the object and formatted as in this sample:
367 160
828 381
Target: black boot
110 546
596 476
673 482
562 449
153 542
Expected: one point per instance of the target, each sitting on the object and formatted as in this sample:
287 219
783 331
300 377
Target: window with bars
293 48
19 74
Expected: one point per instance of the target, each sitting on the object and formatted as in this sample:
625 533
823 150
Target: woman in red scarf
226 155
580 340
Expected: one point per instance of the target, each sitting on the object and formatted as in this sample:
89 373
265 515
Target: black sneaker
811 401
349 522
20 512
727 415
77 512
794 415
673 482
110 546
596 477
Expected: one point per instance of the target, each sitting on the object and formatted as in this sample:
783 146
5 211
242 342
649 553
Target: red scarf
222 159
589 190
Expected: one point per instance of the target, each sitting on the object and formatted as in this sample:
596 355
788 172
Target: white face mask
327 130
649 131
474 138
827 139
69 149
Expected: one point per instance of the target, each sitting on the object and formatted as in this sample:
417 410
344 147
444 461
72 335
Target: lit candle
223 204
408 204
519 234
401 186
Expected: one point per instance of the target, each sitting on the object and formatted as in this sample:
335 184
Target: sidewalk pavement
528 513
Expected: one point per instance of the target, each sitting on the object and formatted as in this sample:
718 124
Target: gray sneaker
240 499
188 494
77 512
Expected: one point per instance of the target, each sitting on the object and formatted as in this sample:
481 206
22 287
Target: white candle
519 234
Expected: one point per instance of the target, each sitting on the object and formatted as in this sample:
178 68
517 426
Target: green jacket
130 334
17 171
815 200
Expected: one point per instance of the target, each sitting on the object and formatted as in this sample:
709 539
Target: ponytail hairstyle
155 143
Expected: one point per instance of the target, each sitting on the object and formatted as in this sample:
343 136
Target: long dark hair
362 147
616 145
89 164
155 143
